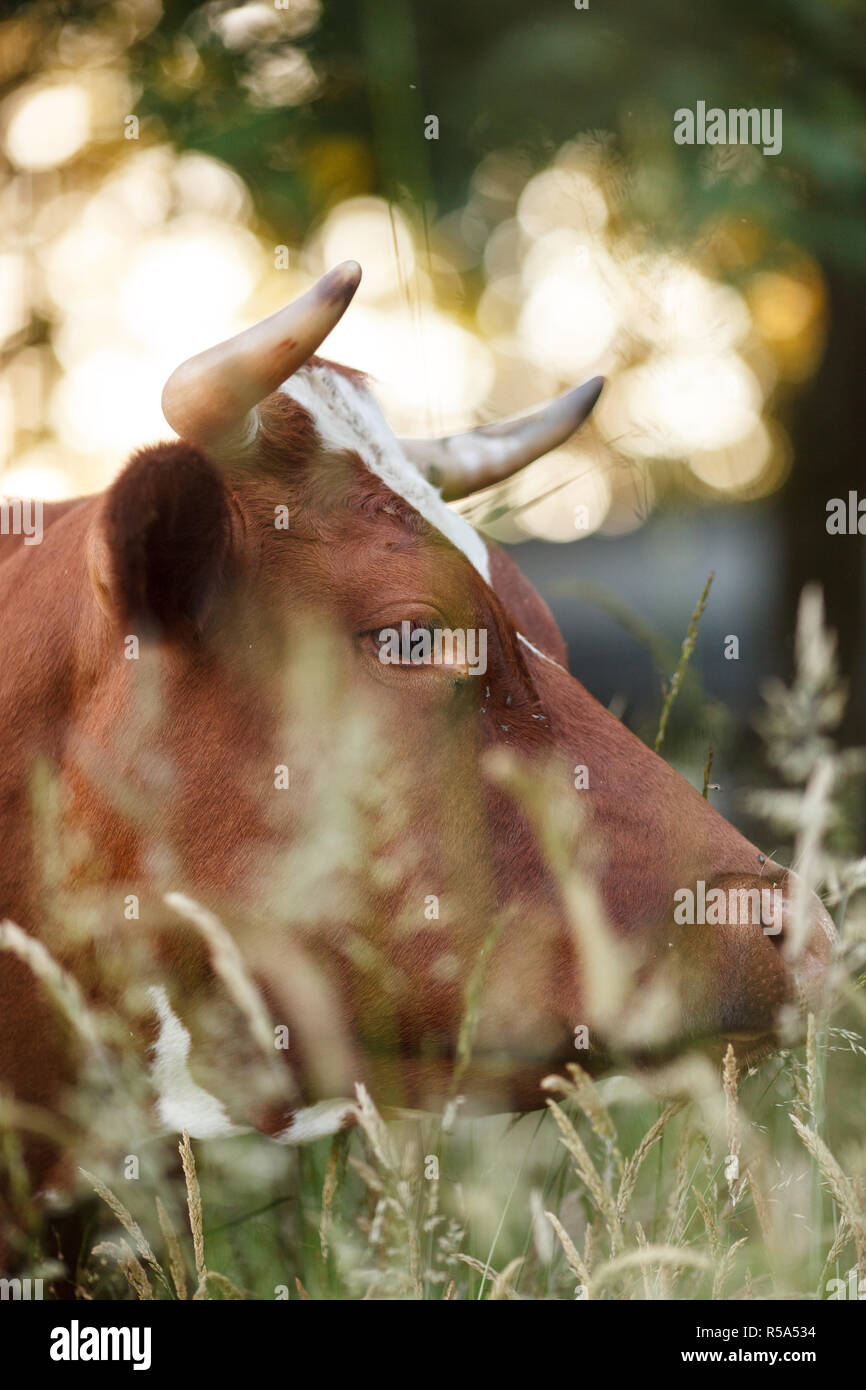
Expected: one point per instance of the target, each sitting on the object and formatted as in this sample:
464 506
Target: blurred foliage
506 75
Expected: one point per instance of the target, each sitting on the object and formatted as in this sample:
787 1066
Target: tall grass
686 1183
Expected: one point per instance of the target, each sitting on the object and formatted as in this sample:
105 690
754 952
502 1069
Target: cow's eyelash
415 625
381 633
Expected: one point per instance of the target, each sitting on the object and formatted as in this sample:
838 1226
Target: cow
256 778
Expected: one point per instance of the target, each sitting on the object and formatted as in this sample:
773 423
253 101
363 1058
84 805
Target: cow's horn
463 463
212 398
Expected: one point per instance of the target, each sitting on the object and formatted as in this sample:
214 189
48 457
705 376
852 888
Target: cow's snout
749 960
809 959
774 954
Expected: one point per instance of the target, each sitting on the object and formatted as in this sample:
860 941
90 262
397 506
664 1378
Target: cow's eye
419 647
404 641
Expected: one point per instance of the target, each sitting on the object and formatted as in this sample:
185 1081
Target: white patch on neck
316 1121
182 1104
526 642
347 416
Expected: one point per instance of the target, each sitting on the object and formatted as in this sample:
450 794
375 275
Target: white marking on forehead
347 416
182 1104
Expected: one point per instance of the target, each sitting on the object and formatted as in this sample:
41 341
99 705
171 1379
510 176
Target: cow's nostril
773 918
805 925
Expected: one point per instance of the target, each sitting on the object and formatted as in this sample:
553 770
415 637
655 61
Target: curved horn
211 399
463 463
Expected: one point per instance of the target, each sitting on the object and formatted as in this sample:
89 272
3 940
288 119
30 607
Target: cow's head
346 808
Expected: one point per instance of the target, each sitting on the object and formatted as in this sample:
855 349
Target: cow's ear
159 548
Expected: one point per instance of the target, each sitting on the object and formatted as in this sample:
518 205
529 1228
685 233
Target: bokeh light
46 125
536 282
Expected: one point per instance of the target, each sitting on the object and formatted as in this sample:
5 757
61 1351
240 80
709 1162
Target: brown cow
197 716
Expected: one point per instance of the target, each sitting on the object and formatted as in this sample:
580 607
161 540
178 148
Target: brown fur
184 553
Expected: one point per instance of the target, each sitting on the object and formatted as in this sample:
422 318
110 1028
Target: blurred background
506 174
